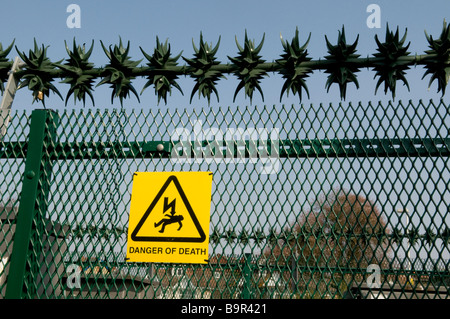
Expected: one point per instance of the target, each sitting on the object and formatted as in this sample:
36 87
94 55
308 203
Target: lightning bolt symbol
168 205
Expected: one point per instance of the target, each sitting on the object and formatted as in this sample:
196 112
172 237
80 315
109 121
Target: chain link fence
308 201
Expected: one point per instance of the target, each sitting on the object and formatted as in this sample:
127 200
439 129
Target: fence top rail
285 149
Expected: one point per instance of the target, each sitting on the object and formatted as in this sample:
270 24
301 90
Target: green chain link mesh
344 190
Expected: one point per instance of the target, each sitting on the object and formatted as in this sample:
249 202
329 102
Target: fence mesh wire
308 201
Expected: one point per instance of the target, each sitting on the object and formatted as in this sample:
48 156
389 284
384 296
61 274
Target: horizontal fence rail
286 148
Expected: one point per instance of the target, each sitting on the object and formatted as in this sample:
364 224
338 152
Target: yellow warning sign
169 217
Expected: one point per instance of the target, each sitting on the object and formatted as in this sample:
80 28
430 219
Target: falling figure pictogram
172 218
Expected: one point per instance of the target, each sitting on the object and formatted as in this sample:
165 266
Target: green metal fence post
247 271
32 208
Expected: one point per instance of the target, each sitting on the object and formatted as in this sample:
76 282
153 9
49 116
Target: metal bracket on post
8 96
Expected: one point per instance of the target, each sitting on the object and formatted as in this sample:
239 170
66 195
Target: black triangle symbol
175 181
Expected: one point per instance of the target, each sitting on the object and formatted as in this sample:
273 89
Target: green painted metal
162 70
35 189
310 229
406 147
247 277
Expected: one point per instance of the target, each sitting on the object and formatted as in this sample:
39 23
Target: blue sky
181 21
